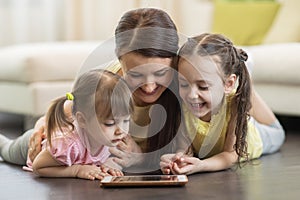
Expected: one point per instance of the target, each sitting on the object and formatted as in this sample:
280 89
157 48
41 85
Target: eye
183 84
161 72
134 75
202 87
126 120
109 123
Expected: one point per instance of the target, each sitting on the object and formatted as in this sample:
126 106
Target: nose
193 93
122 128
149 87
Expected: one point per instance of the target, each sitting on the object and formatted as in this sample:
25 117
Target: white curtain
24 21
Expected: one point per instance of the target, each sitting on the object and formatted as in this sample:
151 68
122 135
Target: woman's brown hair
147 31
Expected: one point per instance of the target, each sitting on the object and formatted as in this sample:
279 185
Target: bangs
113 100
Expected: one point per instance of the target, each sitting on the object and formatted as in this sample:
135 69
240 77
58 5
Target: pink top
69 150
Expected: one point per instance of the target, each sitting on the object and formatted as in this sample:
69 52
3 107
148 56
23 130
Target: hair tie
70 96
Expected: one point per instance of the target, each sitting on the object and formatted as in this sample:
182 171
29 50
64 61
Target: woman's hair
97 92
151 33
147 31
232 61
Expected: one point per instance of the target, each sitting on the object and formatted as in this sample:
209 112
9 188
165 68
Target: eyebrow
163 69
181 78
198 81
203 81
132 72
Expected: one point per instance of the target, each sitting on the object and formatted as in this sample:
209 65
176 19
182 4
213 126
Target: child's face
200 86
147 77
108 132
115 129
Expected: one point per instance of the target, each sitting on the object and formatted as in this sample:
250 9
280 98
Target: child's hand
172 163
167 161
127 153
187 165
110 163
91 172
111 171
112 168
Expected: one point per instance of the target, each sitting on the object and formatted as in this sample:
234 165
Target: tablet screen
147 180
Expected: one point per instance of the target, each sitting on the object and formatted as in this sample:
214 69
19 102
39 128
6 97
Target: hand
168 160
112 171
90 172
179 163
35 142
111 164
127 153
188 165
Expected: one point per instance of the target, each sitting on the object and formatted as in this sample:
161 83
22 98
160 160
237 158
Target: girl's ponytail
56 118
242 101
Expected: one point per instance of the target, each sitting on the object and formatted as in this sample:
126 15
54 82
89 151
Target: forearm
219 162
46 166
58 171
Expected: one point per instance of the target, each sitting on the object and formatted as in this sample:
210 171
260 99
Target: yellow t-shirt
139 124
208 138
114 67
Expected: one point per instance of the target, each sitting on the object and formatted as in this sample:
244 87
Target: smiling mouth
197 105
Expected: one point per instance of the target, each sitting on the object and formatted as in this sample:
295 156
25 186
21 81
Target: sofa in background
31 75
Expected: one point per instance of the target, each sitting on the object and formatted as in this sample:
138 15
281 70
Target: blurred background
24 21
44 42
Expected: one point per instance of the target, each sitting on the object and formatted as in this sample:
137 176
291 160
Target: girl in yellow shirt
226 122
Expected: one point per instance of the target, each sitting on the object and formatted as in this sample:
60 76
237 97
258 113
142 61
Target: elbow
230 159
36 169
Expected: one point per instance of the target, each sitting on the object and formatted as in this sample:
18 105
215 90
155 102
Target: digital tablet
144 180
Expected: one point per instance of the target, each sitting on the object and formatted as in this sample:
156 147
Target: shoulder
66 148
115 67
230 97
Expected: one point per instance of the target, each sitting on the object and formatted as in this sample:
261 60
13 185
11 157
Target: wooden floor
273 177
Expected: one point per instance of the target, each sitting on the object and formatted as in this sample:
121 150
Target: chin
197 113
150 100
146 100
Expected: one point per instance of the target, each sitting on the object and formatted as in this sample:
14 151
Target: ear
81 119
68 108
230 83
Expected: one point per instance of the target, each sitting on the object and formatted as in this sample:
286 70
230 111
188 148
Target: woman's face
200 86
147 77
